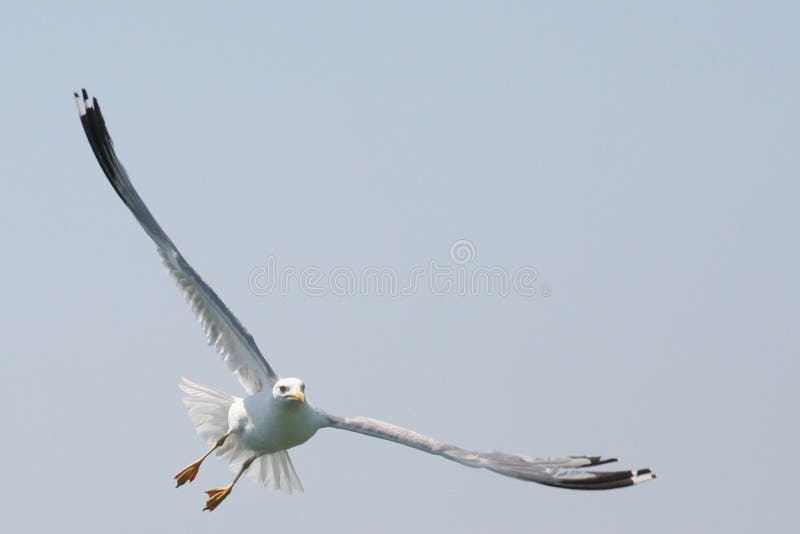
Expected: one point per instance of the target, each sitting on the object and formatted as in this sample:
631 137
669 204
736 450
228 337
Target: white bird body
266 425
255 432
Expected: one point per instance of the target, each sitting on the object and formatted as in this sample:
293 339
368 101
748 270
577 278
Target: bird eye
302 387
283 389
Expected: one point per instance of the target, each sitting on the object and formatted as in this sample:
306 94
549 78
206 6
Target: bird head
289 390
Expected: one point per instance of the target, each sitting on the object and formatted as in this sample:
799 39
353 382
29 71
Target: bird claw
188 474
216 496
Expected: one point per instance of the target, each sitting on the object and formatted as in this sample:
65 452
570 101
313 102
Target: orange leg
189 472
217 495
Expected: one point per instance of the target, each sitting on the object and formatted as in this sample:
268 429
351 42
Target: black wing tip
100 140
594 460
597 460
608 480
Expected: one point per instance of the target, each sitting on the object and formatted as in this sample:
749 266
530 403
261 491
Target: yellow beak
298 396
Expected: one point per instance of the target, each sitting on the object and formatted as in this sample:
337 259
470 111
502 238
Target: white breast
265 425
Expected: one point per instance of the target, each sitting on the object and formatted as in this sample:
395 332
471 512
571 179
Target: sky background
643 159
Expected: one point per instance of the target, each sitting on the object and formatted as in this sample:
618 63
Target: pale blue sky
642 158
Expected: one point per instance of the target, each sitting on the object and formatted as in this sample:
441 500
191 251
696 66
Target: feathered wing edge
208 411
562 472
223 330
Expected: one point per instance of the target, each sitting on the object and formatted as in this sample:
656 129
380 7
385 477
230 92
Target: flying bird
254 432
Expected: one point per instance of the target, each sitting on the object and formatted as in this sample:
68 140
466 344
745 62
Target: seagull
254 433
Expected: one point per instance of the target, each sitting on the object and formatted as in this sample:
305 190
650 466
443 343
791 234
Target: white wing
223 330
562 472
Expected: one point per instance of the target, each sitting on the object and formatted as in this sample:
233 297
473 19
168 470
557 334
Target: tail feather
276 471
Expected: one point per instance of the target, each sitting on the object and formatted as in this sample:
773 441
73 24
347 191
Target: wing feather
222 329
562 471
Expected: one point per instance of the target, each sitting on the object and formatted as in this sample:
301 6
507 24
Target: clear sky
641 160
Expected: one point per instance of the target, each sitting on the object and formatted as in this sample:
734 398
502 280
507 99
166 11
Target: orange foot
188 474
216 496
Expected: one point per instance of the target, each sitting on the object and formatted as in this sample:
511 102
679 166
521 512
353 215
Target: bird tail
208 409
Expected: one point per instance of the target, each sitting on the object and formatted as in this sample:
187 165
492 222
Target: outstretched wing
223 330
562 472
